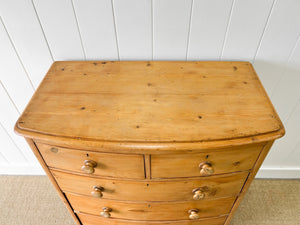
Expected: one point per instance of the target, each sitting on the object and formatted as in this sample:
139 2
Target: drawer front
87 219
179 190
203 164
158 211
108 164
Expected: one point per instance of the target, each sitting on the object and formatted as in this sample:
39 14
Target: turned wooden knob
206 169
88 166
106 212
198 194
97 191
194 214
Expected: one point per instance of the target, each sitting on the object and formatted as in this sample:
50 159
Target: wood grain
156 211
170 190
249 180
187 165
150 102
96 220
108 165
51 178
151 141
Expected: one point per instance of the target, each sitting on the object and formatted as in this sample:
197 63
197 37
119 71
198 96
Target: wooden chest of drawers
153 143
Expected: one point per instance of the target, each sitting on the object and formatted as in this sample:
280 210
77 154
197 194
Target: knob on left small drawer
89 166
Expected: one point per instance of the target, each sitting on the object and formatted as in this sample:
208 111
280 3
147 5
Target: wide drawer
87 219
220 161
158 211
176 190
108 164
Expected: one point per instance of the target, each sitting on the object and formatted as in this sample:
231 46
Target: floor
31 200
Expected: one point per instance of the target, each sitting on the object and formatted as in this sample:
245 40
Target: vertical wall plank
9 149
245 30
12 74
285 149
8 117
96 24
26 33
278 41
293 158
292 142
287 92
171 22
134 29
3 160
31 31
60 26
208 28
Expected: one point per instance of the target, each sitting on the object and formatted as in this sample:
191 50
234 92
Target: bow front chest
150 143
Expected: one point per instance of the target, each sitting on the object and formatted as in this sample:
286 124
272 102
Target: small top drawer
203 164
96 163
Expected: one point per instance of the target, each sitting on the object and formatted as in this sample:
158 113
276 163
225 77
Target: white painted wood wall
34 33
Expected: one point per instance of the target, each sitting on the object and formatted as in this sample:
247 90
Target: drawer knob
194 214
97 191
198 194
206 169
106 212
88 166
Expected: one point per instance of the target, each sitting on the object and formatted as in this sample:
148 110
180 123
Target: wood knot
236 163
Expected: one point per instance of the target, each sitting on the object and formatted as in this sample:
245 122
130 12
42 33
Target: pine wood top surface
150 102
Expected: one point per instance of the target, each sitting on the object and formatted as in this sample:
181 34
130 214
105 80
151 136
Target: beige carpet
31 200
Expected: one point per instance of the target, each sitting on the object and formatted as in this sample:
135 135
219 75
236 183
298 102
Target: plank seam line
227 30
44 35
292 112
286 66
115 28
21 153
78 29
297 143
16 52
152 29
294 149
2 155
189 30
10 98
264 31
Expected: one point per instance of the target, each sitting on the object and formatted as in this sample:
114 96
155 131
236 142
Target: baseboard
21 170
279 173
